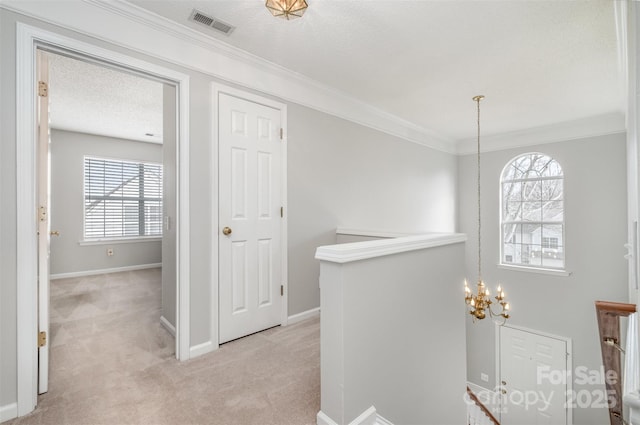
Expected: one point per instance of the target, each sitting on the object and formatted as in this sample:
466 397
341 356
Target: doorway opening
29 41
108 186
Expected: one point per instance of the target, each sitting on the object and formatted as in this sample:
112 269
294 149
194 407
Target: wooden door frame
216 90
28 39
569 360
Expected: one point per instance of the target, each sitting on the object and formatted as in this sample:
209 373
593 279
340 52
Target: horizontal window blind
121 199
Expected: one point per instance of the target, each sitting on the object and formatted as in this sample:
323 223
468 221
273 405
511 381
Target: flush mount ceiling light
480 302
287 9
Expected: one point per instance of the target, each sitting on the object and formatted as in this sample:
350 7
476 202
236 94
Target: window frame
525 266
120 238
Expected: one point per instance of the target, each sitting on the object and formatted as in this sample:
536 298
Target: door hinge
281 133
43 213
282 290
42 339
281 211
43 89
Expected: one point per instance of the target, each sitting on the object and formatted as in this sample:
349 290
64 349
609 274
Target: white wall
633 151
634 107
68 150
595 216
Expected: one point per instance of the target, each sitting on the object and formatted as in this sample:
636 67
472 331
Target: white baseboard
477 388
368 417
323 419
382 421
104 271
488 397
168 326
200 349
374 233
314 312
207 347
8 411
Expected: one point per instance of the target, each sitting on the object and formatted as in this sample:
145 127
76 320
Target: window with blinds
122 199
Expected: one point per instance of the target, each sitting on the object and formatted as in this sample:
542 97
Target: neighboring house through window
122 199
532 217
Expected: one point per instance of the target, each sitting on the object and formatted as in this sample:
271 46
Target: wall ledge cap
349 252
374 233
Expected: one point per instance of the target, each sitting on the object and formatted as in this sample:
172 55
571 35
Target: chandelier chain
480 302
478 99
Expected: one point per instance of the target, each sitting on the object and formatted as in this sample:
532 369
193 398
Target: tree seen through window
532 218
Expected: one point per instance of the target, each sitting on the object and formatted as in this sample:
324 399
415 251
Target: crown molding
600 125
154 35
621 17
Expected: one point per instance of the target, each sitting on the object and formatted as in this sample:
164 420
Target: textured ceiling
537 62
93 99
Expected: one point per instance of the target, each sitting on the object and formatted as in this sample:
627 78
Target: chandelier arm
503 319
503 311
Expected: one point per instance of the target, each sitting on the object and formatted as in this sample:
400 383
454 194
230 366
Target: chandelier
480 302
287 9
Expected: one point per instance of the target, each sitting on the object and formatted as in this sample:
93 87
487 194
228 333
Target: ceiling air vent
211 22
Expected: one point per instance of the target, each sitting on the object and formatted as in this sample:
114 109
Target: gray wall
339 173
393 337
343 174
8 289
68 150
595 217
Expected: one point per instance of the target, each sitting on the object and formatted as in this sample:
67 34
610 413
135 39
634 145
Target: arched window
532 218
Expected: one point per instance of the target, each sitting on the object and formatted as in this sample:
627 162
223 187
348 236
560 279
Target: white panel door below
529 368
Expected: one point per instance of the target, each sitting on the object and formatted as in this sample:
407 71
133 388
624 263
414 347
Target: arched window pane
532 212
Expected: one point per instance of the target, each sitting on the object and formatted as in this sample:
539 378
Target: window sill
550 272
119 241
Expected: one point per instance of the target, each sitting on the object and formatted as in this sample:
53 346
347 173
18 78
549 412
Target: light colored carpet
113 363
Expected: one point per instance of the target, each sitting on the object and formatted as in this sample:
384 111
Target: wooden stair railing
487 416
609 314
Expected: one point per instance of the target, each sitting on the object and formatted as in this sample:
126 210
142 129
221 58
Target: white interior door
250 223
531 371
43 221
169 209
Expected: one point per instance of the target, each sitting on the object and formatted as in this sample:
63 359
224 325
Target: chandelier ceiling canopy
287 9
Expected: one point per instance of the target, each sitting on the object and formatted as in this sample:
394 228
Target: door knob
227 231
54 233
